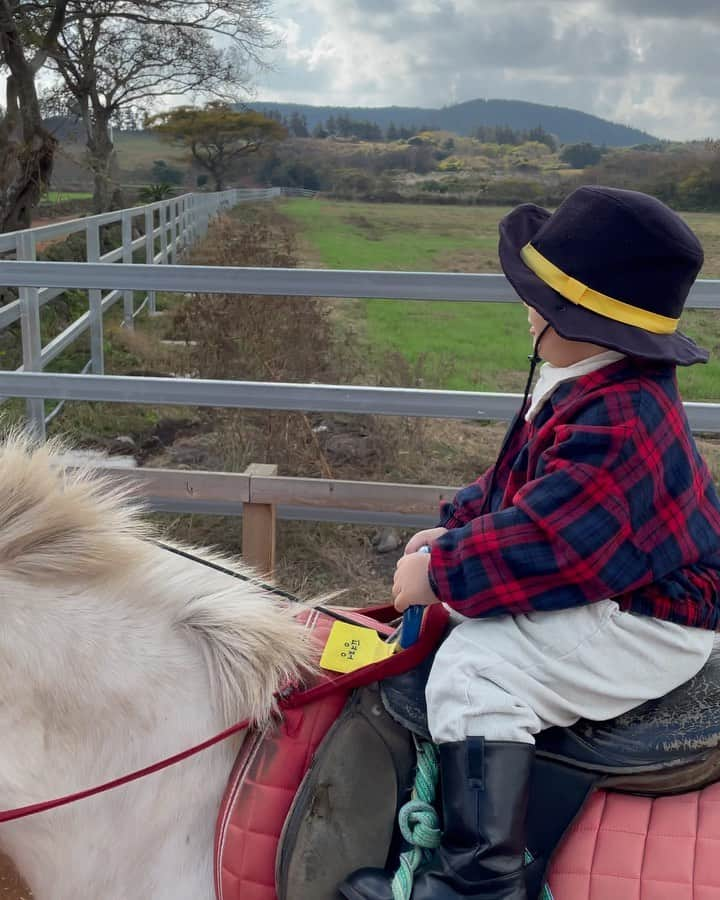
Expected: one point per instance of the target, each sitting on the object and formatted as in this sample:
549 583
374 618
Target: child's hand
423 537
411 585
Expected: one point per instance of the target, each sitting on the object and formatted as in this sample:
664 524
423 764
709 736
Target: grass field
481 346
61 196
139 150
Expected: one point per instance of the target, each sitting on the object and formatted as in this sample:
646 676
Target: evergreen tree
579 156
298 125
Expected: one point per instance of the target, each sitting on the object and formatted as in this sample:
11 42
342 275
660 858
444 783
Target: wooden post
258 527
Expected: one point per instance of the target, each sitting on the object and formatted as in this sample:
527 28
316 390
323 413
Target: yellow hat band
582 295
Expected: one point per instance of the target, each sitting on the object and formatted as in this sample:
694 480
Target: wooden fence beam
363 495
191 485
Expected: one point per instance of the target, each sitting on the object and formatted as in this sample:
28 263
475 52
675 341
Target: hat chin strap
534 360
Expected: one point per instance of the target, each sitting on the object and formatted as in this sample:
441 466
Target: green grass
139 150
461 346
61 196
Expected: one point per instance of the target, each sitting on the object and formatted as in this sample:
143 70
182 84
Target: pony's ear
253 646
59 525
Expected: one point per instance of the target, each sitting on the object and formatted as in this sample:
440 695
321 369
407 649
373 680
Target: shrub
163 172
154 192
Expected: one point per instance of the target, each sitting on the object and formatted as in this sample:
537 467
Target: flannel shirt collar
569 392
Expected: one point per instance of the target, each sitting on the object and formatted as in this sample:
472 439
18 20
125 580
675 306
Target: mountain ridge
571 126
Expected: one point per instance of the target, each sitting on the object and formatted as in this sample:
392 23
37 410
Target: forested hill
570 125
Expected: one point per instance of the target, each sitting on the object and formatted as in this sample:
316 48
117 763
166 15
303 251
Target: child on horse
585 564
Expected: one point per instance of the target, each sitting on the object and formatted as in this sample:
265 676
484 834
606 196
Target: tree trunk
26 166
102 159
26 147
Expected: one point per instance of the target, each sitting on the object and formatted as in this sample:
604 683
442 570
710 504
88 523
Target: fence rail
342 283
327 398
241 494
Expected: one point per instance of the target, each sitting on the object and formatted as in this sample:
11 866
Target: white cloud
632 61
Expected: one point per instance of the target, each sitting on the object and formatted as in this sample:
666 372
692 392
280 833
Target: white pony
114 654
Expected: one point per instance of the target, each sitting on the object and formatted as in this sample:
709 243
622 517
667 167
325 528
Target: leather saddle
666 746
363 770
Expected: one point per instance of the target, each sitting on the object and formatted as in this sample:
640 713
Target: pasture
460 346
62 196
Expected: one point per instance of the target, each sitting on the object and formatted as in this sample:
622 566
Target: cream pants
509 677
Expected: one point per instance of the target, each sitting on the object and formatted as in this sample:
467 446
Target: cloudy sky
653 64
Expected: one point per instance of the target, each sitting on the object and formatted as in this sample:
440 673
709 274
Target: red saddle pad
637 848
271 764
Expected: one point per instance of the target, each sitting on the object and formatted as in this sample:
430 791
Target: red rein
433 626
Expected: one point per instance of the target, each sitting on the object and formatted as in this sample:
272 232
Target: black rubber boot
484 803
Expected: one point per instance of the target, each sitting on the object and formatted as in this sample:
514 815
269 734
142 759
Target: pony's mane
61 524
254 645
73 530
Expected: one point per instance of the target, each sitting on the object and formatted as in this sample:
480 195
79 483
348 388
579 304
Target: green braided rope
419 824
545 893
418 821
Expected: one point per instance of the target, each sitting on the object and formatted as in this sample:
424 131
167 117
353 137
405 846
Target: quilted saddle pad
624 847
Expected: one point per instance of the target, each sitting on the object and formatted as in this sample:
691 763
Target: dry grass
283 339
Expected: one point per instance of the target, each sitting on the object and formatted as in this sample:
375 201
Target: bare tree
114 55
28 35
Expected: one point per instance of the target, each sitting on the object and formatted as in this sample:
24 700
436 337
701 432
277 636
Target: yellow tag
351 647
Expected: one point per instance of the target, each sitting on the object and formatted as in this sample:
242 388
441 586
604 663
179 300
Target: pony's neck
153 837
168 855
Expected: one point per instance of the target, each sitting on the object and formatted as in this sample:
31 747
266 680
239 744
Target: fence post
183 222
92 238
150 251
31 338
162 213
191 211
172 215
258 526
128 296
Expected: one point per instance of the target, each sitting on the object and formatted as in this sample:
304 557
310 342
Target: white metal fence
164 230
38 281
95 277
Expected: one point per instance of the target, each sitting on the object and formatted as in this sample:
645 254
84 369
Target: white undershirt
551 376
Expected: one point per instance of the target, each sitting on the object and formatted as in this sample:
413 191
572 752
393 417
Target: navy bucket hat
609 266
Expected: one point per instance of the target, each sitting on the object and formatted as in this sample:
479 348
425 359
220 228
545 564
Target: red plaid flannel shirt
603 495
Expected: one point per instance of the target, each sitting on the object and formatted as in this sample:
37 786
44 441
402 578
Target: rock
349 448
151 444
199 451
169 430
123 443
388 540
